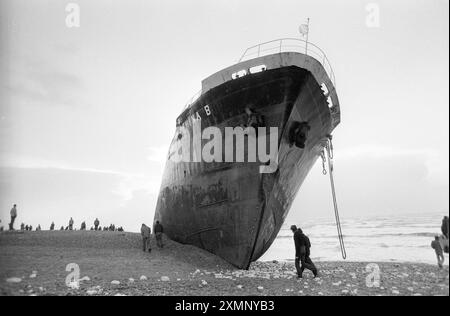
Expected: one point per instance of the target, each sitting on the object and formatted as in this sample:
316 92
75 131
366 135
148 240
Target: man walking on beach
13 217
146 233
158 229
436 245
302 252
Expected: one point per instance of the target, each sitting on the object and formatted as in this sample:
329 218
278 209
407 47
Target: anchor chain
324 161
328 151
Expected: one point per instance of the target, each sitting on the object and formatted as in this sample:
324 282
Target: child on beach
436 245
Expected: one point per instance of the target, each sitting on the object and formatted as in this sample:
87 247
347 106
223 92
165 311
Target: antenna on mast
304 31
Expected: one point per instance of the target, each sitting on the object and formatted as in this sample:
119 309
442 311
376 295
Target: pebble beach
90 263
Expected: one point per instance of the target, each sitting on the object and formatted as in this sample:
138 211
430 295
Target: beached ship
232 209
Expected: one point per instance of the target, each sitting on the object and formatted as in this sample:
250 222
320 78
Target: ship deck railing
282 45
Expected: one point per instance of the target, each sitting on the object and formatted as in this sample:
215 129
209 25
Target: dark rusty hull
230 209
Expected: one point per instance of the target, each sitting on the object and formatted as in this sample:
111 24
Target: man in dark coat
158 229
302 252
96 224
444 227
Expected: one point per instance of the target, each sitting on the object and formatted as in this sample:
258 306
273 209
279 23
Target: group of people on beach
146 234
70 226
96 227
302 243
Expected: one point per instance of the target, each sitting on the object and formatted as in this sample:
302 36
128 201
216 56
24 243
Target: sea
397 238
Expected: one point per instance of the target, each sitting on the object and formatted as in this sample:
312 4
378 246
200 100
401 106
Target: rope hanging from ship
328 151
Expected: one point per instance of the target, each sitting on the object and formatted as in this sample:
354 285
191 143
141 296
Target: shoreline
393 261
40 259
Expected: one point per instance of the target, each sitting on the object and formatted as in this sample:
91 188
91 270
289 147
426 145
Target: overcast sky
87 114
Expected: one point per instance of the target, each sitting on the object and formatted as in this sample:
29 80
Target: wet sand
113 263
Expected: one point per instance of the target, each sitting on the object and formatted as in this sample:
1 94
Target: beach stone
85 279
91 292
395 292
240 287
131 280
120 294
115 282
13 280
33 276
260 288
143 278
204 282
165 279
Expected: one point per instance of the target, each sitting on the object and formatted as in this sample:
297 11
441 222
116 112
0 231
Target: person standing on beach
444 226
158 229
96 223
436 245
71 224
146 233
13 214
52 226
302 253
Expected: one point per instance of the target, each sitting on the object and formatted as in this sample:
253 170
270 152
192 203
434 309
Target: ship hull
231 209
